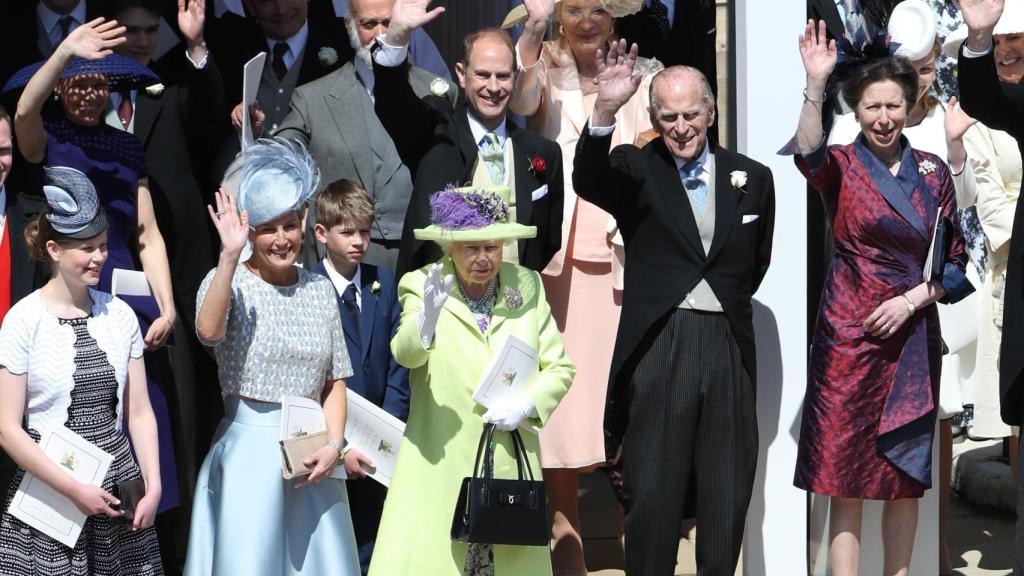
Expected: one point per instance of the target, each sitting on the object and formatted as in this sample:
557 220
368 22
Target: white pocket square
539 193
748 218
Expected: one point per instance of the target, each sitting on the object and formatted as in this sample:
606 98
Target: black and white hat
74 209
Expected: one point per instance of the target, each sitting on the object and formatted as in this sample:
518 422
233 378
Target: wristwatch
911 307
341 449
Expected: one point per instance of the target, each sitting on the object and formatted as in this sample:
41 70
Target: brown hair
343 200
37 233
897 69
471 39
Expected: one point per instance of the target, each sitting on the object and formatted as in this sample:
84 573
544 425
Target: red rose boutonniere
538 166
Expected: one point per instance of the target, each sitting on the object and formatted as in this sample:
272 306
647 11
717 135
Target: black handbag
494 511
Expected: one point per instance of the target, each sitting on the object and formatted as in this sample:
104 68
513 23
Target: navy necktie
350 314
277 62
65 23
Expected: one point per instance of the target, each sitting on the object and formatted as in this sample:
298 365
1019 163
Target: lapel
147 110
367 276
568 82
524 179
679 210
464 141
349 117
829 12
727 200
897 190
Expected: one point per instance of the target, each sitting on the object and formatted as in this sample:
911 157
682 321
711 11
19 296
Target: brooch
738 179
926 167
513 298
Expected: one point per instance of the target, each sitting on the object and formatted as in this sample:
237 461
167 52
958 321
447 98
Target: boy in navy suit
368 301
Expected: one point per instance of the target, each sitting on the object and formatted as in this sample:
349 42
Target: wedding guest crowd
186 245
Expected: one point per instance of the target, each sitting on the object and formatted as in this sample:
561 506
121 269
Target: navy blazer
376 376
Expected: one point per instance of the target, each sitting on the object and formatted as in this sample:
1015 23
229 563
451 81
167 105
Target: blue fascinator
275 176
122 73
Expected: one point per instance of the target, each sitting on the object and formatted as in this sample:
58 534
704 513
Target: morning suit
378 378
437 143
983 98
334 117
681 391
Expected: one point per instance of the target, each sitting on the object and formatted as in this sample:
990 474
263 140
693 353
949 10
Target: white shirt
51 21
670 5
480 131
296 44
341 283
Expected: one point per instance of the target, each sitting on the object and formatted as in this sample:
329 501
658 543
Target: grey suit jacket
334 117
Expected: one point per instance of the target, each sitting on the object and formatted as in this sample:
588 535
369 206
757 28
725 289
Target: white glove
435 292
509 411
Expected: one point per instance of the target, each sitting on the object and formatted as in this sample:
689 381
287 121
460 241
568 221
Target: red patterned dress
869 413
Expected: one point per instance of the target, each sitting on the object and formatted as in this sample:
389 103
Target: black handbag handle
485 450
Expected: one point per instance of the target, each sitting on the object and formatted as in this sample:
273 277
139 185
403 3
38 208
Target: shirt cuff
600 131
201 64
968 53
388 55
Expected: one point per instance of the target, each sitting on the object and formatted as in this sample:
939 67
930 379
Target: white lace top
33 342
279 339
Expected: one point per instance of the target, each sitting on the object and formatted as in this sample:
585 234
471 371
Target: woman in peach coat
556 89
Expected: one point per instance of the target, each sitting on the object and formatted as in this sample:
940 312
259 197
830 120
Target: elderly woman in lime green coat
448 332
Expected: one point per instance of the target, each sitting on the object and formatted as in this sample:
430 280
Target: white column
769 77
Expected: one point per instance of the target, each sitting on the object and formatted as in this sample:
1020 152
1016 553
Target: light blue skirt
247 520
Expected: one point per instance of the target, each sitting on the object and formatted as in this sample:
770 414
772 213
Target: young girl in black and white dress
71 356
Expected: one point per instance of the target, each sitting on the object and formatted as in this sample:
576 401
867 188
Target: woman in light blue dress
275 330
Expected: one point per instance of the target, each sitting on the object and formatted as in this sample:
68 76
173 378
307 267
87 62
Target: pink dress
580 280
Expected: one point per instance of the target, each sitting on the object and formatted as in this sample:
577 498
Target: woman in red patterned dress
869 414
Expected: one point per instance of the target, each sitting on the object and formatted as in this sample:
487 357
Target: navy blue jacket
376 376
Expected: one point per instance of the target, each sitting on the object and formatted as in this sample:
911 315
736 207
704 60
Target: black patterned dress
107 546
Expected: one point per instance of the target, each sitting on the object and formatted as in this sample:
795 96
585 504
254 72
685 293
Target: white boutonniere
738 179
439 87
155 90
375 288
926 167
328 56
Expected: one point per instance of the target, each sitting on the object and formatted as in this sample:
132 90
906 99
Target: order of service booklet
40 506
368 428
511 368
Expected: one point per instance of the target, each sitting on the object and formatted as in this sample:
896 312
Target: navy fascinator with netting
122 73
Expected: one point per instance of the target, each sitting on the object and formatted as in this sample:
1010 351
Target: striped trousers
691 416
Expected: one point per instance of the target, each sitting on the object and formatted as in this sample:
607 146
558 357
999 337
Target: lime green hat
472 214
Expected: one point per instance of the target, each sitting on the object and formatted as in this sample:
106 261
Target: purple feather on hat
454 210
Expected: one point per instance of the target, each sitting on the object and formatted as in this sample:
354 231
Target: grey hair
706 93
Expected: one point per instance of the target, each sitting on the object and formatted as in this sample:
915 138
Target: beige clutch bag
295 450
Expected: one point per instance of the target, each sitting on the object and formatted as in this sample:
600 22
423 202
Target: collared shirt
51 21
702 161
296 44
670 6
341 283
480 131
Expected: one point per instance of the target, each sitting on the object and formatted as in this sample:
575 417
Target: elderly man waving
697 222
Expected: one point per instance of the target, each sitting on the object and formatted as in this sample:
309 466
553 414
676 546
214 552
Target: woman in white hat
556 89
275 330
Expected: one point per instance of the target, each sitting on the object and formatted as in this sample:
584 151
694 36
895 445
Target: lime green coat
445 424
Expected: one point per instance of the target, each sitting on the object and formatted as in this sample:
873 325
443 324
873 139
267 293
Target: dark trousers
1018 559
692 411
366 504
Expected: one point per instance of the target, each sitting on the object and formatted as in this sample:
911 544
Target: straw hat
617 9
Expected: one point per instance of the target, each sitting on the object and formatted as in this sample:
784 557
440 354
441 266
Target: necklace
892 160
483 307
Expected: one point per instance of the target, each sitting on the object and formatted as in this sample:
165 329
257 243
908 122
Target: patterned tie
494 158
277 63
659 12
695 187
856 26
350 314
65 23
125 110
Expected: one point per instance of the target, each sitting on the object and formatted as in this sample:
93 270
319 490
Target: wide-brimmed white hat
1011 22
913 27
616 8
